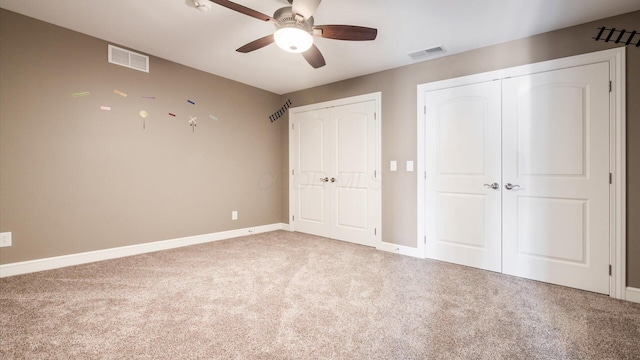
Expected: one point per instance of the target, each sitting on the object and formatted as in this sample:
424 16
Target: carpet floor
283 295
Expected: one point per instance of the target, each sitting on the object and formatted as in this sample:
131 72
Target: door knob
510 186
324 179
333 179
494 186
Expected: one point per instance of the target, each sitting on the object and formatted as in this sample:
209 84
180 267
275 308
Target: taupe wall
398 87
75 178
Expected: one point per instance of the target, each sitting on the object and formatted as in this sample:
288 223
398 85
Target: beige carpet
284 295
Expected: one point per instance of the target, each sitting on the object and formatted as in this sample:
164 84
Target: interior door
354 157
463 223
313 130
335 185
556 177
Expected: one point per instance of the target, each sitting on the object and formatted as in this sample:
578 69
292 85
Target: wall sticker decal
618 36
143 115
278 114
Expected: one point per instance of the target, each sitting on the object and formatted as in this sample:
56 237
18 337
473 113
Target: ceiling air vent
128 59
432 51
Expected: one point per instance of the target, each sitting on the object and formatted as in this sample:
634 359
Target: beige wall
74 178
398 87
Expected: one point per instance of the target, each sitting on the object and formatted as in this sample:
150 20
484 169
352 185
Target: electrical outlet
234 215
5 239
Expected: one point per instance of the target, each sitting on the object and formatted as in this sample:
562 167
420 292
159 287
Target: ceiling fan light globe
293 39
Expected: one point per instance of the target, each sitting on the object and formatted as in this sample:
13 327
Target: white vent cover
432 51
128 59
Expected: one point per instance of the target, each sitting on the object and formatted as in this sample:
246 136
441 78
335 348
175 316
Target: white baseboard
399 249
633 295
286 227
31 266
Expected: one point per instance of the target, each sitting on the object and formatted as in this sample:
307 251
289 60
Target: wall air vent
128 59
432 51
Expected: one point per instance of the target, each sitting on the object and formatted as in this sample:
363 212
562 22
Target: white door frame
377 97
617 192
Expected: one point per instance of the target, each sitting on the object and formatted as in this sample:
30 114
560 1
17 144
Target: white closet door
313 130
556 155
463 222
354 190
335 191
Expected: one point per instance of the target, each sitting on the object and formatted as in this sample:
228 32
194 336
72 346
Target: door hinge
425 175
375 174
293 126
425 109
375 231
293 218
375 116
610 270
610 178
610 86
293 171
425 239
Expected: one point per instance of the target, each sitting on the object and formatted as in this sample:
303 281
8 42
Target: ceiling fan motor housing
286 19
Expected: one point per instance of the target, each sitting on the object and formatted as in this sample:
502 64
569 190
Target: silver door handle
494 186
324 179
510 186
333 179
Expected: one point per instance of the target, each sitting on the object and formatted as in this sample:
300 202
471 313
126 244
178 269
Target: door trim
617 190
377 97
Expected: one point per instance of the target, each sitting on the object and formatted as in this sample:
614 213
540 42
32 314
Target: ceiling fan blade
347 32
306 8
256 44
244 10
314 57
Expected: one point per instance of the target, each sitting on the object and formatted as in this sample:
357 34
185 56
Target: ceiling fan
295 29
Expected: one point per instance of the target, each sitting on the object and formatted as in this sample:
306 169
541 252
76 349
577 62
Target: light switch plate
409 165
393 166
5 239
234 215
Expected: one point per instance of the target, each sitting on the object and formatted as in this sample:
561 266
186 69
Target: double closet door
335 186
517 176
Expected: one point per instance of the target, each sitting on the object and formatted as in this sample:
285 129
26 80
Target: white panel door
354 151
312 167
556 156
462 212
334 164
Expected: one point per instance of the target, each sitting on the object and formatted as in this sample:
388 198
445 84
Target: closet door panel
311 168
462 155
354 187
556 154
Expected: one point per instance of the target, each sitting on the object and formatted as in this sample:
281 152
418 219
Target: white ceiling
177 31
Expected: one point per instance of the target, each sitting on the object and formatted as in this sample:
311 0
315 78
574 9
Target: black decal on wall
278 114
619 37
